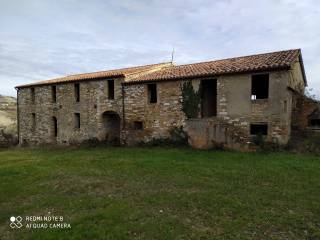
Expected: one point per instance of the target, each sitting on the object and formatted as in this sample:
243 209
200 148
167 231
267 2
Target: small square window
138 125
314 123
259 129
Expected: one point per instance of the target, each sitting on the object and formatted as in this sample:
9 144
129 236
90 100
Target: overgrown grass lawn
159 193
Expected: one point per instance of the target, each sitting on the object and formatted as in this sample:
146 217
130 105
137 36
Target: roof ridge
245 56
116 69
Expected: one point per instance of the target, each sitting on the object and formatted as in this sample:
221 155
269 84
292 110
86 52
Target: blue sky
42 39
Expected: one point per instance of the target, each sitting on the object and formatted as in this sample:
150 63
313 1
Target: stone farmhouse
238 98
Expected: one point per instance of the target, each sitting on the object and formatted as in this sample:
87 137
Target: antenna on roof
172 55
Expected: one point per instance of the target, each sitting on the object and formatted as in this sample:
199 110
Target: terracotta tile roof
258 62
123 72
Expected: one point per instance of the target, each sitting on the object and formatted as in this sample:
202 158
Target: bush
8 138
178 137
265 146
304 143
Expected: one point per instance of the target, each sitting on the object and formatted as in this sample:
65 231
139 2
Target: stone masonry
131 117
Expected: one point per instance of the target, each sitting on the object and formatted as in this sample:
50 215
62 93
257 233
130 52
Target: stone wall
303 107
235 109
157 118
93 103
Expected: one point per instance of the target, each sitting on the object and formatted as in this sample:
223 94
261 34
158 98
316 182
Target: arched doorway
111 127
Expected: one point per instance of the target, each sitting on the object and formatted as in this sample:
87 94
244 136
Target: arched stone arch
111 127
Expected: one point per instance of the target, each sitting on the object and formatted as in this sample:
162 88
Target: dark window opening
77 120
77 92
315 123
259 129
152 93
111 89
54 94
208 98
138 125
33 95
33 127
260 86
285 106
55 126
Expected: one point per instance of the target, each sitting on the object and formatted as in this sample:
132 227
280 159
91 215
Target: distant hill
8 112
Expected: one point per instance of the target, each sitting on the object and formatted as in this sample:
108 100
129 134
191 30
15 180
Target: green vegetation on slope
158 193
8 112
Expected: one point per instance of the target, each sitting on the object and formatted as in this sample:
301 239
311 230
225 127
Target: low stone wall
211 132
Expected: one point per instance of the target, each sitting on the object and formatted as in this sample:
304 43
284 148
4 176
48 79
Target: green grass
158 193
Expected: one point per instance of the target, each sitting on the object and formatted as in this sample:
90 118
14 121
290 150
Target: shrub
304 143
178 137
8 138
190 100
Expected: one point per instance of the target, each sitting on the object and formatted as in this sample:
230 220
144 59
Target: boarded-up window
111 89
138 125
77 92
260 86
33 95
259 129
152 93
54 94
77 122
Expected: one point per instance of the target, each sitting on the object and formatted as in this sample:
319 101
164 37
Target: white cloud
42 39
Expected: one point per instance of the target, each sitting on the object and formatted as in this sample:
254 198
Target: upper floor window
33 95
110 89
152 93
54 94
77 92
259 86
